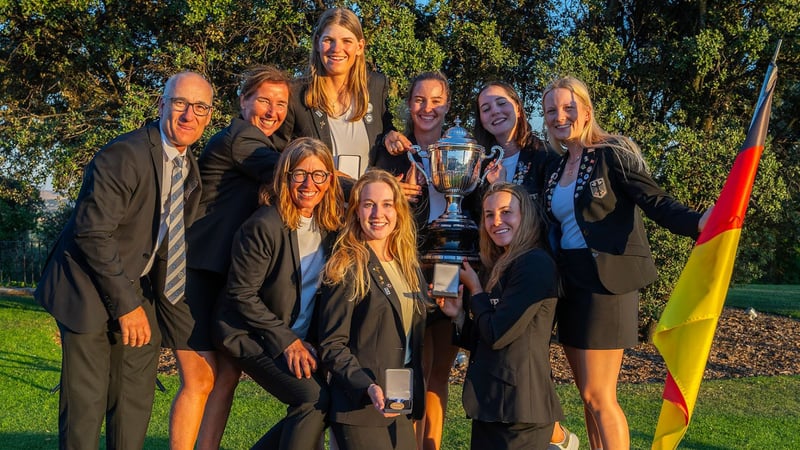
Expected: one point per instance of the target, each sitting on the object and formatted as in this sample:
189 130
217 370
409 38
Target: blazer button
594 254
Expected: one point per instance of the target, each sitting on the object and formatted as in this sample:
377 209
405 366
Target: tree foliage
678 76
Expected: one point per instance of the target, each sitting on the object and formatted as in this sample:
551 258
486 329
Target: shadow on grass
686 443
49 441
12 363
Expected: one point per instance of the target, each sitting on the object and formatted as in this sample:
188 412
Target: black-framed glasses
300 175
180 104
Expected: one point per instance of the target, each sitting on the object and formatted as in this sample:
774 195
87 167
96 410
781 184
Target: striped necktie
176 245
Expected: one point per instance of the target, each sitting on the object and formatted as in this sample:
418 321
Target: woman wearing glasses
267 320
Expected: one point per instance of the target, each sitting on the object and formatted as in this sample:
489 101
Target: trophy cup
455 163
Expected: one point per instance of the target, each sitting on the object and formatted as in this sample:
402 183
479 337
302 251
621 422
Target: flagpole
690 317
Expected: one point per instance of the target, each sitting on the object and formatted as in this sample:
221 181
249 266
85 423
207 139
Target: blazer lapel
322 125
292 235
587 166
380 278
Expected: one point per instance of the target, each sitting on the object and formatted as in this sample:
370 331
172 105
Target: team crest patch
598 188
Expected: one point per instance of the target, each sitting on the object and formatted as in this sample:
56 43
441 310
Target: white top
350 144
312 260
563 207
510 164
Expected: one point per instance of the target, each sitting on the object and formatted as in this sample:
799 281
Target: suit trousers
102 377
307 400
399 435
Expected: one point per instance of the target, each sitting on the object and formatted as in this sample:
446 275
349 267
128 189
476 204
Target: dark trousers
397 436
510 436
307 402
101 377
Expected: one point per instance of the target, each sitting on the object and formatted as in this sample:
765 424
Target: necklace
572 166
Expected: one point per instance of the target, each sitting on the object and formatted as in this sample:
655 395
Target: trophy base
449 241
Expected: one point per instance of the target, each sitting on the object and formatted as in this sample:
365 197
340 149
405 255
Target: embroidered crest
598 188
318 112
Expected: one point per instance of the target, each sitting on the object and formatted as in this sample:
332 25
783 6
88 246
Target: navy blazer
92 274
508 378
262 299
609 192
302 121
233 166
361 339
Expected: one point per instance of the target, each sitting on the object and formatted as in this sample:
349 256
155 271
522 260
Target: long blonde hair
593 135
356 85
528 235
350 257
328 213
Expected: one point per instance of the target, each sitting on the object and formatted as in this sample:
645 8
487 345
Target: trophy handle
422 154
492 152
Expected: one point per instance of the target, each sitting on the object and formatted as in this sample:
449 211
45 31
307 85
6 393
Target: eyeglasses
300 175
179 104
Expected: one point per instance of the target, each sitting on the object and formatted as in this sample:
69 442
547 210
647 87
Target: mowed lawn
748 413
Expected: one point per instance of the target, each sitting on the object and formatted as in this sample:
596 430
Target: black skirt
588 315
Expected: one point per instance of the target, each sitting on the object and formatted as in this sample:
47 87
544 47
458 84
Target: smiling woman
339 101
371 279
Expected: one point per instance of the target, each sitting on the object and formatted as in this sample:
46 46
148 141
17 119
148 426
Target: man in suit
96 282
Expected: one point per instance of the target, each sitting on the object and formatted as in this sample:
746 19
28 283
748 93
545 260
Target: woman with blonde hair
267 320
372 317
593 196
508 391
339 101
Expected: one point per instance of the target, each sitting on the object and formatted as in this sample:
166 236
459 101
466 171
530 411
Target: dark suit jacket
609 192
531 173
302 121
92 274
361 339
234 164
508 379
262 298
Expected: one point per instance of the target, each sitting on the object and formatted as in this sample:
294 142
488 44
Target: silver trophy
455 163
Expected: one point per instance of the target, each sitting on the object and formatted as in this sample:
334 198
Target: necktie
176 246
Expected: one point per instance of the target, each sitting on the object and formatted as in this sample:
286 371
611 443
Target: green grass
778 299
749 413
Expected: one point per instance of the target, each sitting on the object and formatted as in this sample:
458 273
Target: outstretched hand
396 143
704 219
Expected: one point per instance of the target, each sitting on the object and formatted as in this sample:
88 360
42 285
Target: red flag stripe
731 206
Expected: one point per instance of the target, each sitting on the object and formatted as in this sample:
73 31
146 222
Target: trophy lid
457 136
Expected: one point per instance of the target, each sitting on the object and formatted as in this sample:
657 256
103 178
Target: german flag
687 325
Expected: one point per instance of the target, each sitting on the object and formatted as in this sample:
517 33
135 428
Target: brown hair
529 234
522 133
258 75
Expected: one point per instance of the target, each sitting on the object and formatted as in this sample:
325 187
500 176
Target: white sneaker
570 441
